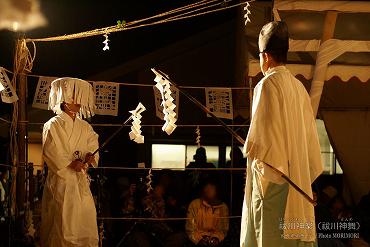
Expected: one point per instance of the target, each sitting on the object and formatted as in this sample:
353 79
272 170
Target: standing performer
68 209
283 135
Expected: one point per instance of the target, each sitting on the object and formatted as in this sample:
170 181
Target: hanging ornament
101 234
105 42
197 140
247 13
149 179
135 133
121 24
170 117
8 94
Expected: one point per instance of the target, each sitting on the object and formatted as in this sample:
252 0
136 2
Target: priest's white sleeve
266 175
93 143
54 155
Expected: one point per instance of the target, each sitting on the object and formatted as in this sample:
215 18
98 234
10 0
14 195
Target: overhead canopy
306 29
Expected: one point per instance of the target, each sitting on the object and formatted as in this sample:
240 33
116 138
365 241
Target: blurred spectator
200 159
208 223
363 216
4 177
237 178
237 159
155 233
154 203
194 177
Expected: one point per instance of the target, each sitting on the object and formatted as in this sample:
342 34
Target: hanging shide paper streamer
41 97
107 98
247 12
149 180
106 42
197 140
1 87
135 133
158 101
8 94
101 234
220 102
170 118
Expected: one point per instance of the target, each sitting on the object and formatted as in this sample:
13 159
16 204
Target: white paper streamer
158 101
8 94
41 97
135 133
247 13
170 116
197 139
149 181
220 102
106 42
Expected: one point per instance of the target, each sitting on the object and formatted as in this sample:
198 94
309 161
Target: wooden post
318 77
329 25
22 136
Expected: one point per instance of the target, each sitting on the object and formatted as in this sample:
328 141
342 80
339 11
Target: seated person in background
200 159
127 200
156 233
194 177
363 216
154 203
207 223
237 159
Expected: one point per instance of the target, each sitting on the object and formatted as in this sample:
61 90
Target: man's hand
90 158
77 165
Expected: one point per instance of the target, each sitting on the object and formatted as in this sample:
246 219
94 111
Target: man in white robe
68 210
283 135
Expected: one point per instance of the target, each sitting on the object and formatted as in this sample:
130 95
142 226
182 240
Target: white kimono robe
68 211
282 134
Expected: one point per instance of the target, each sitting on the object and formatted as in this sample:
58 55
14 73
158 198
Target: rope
157 219
133 24
144 125
162 219
135 84
145 168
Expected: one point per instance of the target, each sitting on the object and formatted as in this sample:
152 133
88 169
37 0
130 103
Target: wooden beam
329 25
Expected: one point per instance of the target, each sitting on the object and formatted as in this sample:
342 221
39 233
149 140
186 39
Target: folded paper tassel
135 133
168 106
8 94
247 13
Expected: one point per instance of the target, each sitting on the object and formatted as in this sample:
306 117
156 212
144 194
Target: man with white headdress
282 139
68 211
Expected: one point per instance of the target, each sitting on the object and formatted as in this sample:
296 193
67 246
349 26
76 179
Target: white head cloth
74 90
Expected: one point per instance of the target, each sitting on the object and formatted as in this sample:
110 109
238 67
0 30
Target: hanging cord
133 24
132 84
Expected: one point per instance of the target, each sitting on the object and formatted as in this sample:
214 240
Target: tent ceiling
308 25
